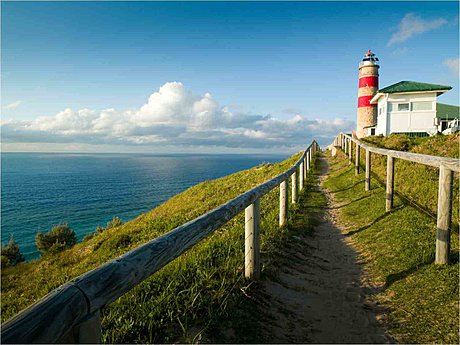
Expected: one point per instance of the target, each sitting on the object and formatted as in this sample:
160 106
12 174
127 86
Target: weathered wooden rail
446 166
71 313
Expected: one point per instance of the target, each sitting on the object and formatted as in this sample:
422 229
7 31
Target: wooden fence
71 313
446 166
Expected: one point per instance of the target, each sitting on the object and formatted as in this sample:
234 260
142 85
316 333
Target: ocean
39 190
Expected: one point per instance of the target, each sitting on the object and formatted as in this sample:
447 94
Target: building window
422 105
403 107
372 131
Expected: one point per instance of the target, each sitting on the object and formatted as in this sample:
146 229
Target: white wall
392 120
382 120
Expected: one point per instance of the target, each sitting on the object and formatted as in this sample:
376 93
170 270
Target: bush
114 223
11 254
4 261
100 229
88 237
59 238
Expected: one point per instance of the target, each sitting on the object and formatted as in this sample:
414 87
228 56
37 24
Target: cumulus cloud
176 116
453 65
13 105
411 25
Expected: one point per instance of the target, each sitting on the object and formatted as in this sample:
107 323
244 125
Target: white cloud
173 116
13 105
453 65
401 51
412 24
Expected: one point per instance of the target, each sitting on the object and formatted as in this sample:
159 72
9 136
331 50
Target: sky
207 76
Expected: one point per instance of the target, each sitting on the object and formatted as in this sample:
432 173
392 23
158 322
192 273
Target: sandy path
318 294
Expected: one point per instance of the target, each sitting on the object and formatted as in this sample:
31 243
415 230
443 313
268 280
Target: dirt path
319 294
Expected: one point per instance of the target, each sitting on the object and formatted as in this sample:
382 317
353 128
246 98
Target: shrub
89 236
100 229
11 254
59 238
4 261
121 241
114 223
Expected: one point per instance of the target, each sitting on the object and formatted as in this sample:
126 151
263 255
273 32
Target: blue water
87 190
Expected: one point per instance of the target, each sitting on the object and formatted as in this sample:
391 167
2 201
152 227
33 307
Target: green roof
447 112
413 86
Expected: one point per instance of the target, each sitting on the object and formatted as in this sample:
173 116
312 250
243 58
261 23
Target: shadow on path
312 288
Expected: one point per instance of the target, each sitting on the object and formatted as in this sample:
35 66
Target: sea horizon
86 190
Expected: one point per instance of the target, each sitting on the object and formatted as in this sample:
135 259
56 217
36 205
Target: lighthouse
368 87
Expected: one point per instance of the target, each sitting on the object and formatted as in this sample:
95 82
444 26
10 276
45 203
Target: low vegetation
398 248
114 223
187 299
59 238
11 255
423 190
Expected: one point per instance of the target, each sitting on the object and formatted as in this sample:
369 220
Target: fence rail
447 166
71 313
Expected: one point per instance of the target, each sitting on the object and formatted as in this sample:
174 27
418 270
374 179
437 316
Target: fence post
342 142
301 175
294 187
368 171
357 157
284 204
444 215
90 330
390 183
252 242
350 150
308 160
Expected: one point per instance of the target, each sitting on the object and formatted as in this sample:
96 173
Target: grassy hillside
423 190
398 247
184 299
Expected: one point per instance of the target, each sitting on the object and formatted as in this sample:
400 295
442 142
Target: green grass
423 188
241 322
398 249
185 300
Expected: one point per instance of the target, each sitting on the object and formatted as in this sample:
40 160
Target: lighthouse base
367 116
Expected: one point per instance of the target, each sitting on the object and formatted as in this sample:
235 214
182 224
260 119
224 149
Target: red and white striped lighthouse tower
368 87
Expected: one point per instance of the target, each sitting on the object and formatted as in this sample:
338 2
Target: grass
423 190
398 249
184 301
241 323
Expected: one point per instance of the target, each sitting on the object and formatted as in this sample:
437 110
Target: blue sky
268 67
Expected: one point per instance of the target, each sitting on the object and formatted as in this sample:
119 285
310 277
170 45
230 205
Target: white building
408 107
